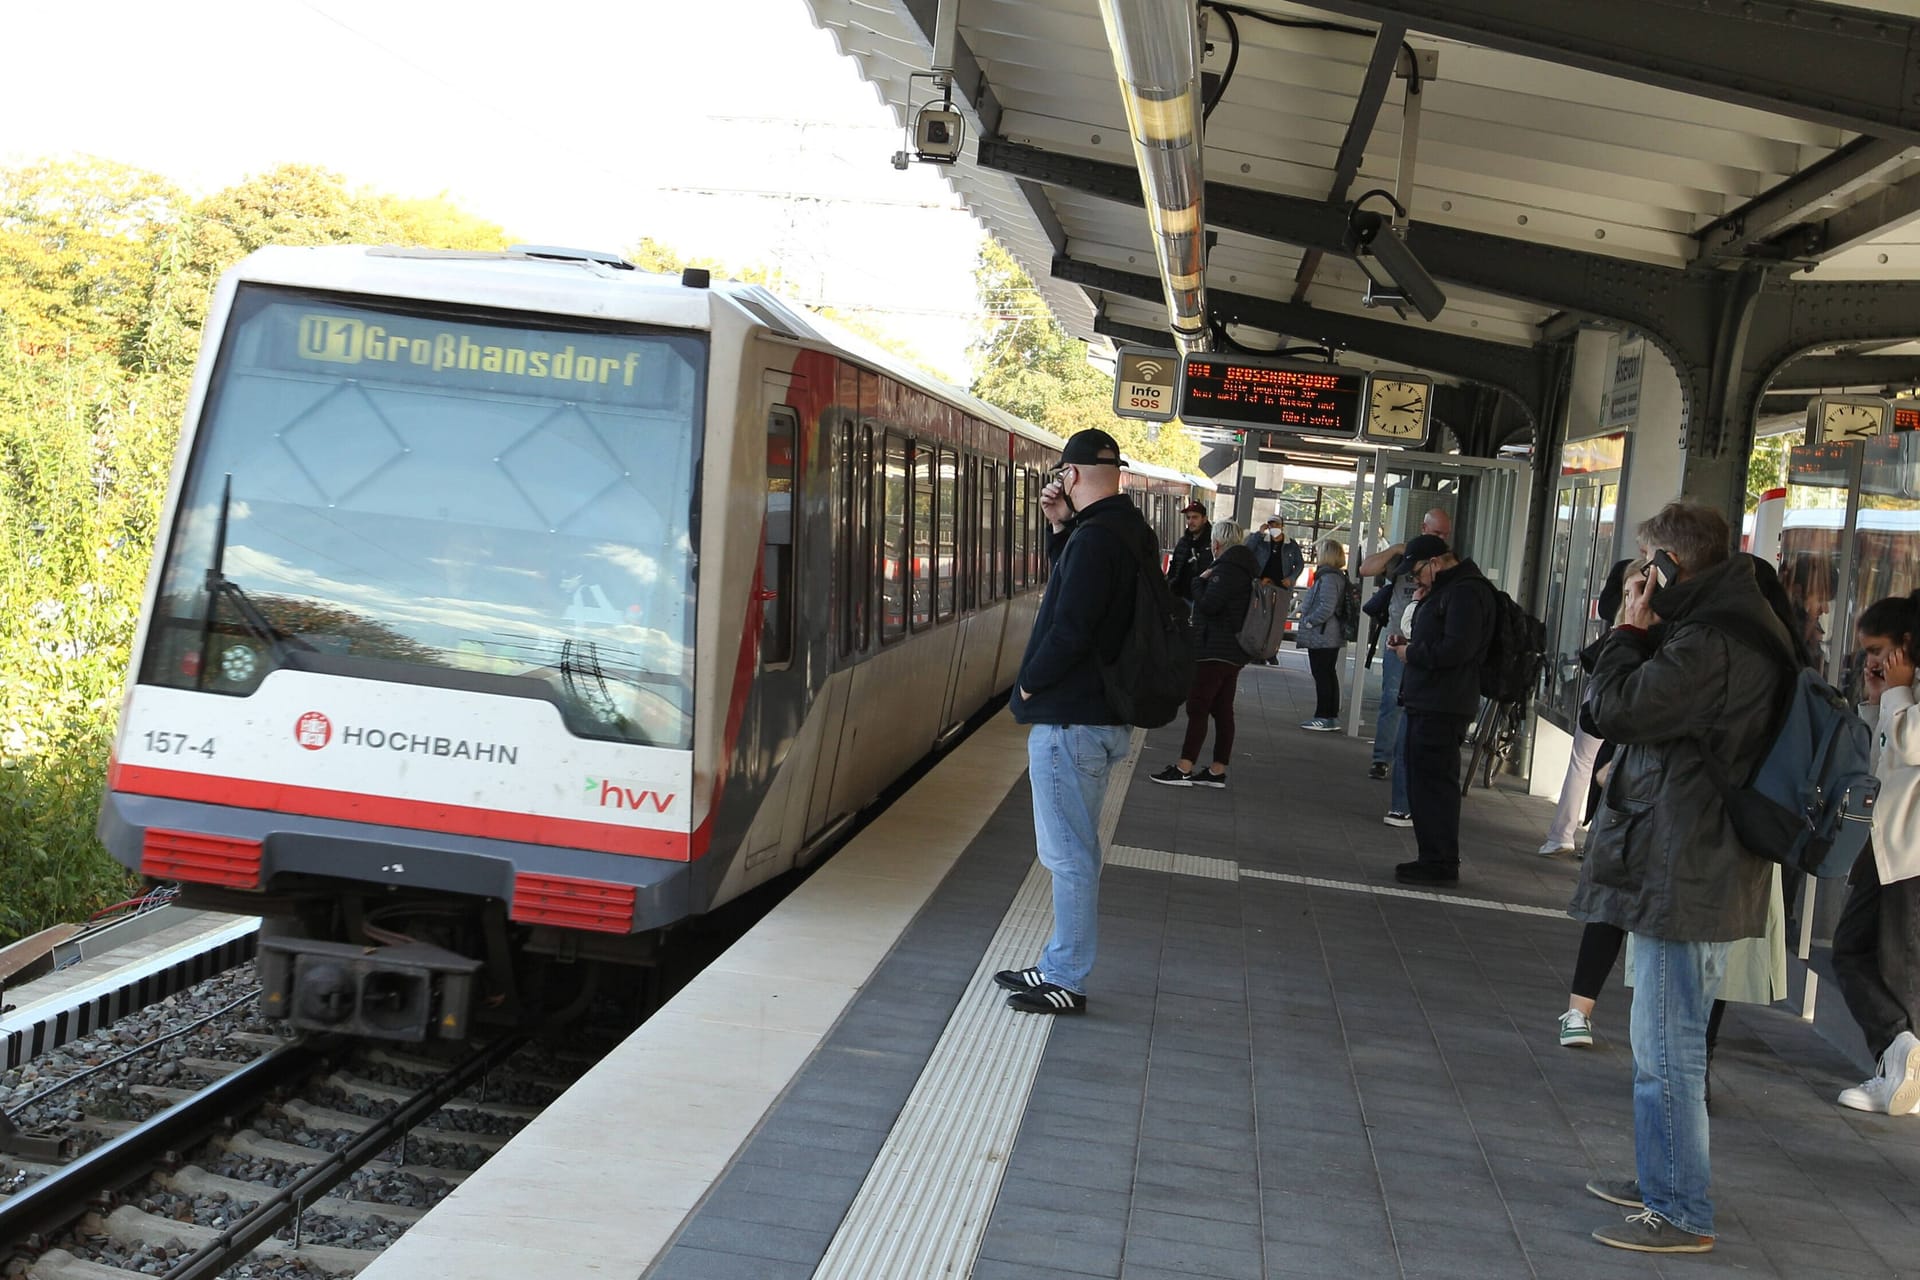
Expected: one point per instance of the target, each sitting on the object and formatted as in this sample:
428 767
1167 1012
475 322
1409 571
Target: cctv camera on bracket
1395 277
938 131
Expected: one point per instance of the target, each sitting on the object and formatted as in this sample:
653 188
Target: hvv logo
614 795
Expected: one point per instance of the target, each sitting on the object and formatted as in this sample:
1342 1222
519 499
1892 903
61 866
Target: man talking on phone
1690 677
1097 540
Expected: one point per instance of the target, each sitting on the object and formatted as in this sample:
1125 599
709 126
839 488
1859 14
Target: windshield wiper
218 584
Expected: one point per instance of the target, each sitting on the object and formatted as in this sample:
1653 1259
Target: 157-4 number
176 744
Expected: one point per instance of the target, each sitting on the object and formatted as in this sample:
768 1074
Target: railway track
309 1160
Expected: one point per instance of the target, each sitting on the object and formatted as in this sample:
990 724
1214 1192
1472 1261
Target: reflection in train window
893 542
352 506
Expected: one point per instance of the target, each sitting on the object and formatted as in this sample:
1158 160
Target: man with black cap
1098 544
1440 692
1193 554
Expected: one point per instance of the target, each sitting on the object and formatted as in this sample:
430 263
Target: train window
968 535
777 587
945 534
1022 520
893 541
983 547
922 536
477 527
856 536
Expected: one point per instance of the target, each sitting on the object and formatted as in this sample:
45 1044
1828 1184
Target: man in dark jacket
1662 859
1192 555
1440 691
1098 544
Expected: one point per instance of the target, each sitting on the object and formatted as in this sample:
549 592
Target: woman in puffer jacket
1321 633
1220 599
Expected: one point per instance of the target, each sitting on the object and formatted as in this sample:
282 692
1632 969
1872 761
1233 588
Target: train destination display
1272 395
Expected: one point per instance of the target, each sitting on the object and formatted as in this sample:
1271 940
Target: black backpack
1148 680
1516 647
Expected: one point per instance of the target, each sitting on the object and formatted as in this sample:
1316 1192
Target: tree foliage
105 273
1031 367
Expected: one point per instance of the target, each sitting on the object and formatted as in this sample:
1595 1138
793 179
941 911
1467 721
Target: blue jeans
1386 724
1067 766
1673 989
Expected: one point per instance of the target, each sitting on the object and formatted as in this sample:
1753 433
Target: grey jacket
1317 627
1662 858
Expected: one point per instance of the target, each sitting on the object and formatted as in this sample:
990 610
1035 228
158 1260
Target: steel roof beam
1353 147
1883 211
1793 201
1812 373
1678 309
1514 370
1857 69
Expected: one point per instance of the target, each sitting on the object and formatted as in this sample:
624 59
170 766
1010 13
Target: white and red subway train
523 605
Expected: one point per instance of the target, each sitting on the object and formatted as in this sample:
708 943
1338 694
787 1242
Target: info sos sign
1144 384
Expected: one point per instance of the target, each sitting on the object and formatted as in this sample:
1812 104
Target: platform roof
1694 136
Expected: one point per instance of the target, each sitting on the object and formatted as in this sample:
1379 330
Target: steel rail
61 1197
291 1201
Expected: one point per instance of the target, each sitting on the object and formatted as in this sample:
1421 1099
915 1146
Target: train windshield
466 500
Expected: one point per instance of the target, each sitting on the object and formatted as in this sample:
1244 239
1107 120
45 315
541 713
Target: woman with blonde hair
1322 634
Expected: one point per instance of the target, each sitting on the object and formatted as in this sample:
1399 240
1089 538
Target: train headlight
238 662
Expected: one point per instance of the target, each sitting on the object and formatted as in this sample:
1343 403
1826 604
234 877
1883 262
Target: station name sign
1266 394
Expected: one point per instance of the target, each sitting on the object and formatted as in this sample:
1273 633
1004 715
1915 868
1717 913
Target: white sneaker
1870 1095
1551 847
1900 1066
1576 1030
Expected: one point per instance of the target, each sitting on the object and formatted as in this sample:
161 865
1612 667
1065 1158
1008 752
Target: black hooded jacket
1220 608
1662 858
1451 631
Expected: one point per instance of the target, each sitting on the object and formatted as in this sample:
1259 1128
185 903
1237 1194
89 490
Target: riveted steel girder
1793 201
1837 64
1792 319
1812 373
1515 371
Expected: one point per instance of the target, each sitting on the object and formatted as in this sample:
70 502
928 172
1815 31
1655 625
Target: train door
786 633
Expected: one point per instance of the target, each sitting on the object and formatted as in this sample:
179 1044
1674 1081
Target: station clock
1399 408
1838 419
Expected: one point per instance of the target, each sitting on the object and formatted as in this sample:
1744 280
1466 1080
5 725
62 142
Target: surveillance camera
937 133
1396 274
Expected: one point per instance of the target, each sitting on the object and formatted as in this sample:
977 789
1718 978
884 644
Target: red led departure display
1272 395
1905 419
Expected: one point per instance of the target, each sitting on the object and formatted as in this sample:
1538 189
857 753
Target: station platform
1290 1067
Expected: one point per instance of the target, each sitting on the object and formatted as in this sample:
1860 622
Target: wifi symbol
1149 370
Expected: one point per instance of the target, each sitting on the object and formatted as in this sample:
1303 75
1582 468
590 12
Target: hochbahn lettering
422 744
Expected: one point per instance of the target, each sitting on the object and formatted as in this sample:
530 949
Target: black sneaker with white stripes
1020 979
1047 998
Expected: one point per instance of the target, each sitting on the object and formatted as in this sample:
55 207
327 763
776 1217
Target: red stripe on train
419 815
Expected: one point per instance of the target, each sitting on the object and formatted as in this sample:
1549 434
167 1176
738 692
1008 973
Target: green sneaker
1576 1030
1648 1232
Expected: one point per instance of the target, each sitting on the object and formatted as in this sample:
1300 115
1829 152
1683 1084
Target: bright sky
726 128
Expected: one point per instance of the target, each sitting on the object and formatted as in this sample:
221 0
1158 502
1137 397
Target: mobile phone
1664 568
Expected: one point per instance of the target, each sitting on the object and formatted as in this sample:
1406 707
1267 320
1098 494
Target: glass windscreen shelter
1850 536
1487 499
1585 545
